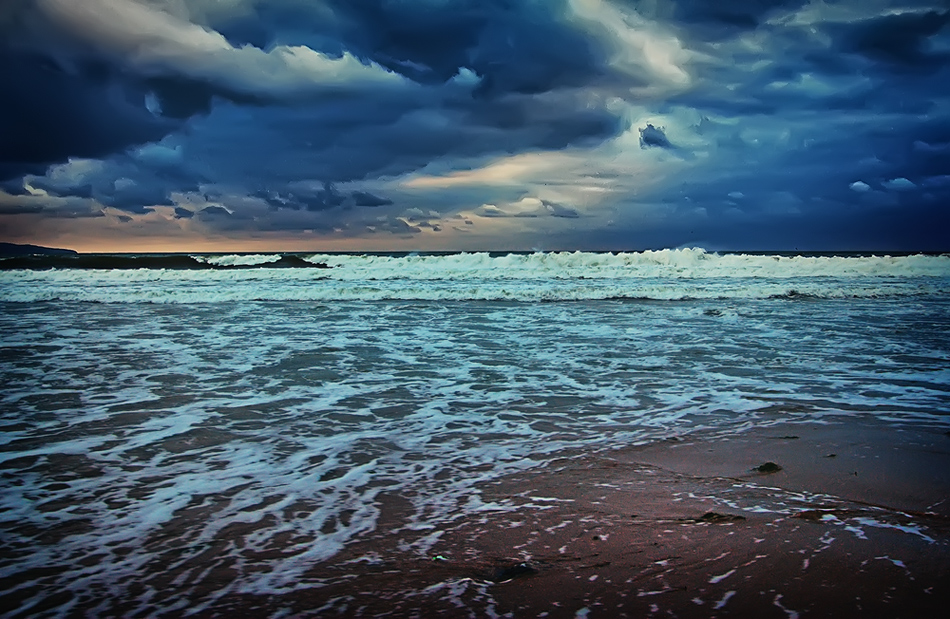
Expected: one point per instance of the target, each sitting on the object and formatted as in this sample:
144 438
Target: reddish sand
855 524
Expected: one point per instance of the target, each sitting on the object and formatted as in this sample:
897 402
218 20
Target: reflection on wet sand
683 528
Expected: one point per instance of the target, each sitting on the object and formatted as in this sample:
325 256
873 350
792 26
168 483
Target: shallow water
230 446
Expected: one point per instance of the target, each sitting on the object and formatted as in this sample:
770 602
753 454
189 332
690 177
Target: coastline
679 528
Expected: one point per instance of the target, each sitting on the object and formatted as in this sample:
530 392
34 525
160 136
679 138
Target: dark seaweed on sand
768 467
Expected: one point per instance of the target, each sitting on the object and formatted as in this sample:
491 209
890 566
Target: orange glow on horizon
442 241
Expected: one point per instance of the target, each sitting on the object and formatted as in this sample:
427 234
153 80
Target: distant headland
8 250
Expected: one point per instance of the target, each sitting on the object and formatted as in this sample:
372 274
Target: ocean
178 430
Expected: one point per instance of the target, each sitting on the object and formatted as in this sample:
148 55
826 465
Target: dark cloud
507 42
309 197
735 14
937 181
364 198
305 197
212 213
425 41
560 210
490 210
829 225
651 136
714 20
508 102
528 208
903 39
132 183
884 62
870 176
48 115
99 97
20 209
62 190
181 97
13 187
782 119
341 141
399 226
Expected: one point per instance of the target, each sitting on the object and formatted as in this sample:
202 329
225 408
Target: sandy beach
853 524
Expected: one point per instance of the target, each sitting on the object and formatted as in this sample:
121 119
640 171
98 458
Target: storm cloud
613 124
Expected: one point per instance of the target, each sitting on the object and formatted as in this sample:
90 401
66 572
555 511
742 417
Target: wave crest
669 275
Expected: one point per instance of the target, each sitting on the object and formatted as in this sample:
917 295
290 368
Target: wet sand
856 523
852 521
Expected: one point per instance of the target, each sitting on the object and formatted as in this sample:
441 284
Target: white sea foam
245 442
659 275
237 259
667 263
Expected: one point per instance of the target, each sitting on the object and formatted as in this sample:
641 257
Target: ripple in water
214 449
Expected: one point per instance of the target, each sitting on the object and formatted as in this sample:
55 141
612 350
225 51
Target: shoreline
682 527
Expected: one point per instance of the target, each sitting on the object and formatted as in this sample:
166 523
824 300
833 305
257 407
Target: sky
465 125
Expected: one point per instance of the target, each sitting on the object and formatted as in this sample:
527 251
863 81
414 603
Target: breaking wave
557 276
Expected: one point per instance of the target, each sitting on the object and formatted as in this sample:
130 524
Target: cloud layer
464 124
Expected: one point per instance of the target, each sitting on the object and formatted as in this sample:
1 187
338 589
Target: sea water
162 427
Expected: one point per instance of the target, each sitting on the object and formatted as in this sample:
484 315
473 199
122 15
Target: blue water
256 438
